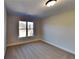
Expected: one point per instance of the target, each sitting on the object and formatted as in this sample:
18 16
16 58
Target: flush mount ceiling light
50 3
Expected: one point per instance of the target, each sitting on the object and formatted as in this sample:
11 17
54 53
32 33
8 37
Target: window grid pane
30 28
22 28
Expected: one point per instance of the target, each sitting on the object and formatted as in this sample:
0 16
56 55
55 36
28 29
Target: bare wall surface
60 30
5 29
13 28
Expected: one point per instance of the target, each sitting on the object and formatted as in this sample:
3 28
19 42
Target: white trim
65 49
12 44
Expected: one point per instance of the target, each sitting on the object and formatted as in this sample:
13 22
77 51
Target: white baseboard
65 49
13 44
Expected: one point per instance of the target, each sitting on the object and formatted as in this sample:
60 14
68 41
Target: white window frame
27 30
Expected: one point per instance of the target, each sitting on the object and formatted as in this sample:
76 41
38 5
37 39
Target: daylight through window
26 29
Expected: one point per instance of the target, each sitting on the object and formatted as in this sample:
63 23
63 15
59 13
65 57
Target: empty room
39 29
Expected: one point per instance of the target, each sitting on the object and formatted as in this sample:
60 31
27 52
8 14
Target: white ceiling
38 7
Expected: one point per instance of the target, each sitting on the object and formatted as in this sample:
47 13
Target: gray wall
13 28
59 30
5 29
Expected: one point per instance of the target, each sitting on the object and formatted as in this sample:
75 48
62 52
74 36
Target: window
30 28
26 29
22 29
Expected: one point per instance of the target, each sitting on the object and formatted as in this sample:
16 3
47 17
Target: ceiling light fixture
50 3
